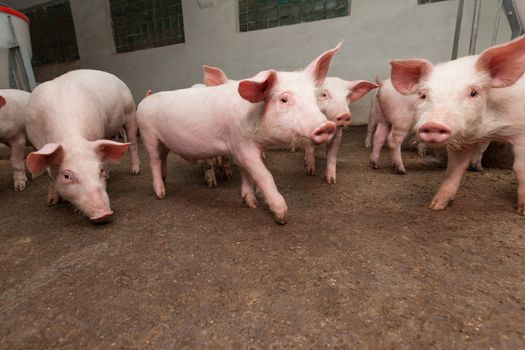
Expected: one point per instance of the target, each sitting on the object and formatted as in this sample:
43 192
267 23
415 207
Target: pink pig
13 131
67 120
240 118
392 116
467 101
333 98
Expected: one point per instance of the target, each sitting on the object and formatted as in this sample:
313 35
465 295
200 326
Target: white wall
376 31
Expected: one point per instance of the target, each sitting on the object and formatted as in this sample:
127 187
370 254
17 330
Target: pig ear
2 101
111 150
48 155
359 89
257 88
318 69
505 63
407 74
213 76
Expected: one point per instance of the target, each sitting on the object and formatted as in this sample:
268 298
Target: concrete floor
361 264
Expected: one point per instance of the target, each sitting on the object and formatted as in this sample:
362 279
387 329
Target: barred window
262 14
144 24
53 38
421 2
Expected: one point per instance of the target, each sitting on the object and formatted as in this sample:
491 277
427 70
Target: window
262 14
421 2
144 24
53 36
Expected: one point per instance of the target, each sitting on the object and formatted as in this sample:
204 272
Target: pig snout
433 133
324 133
343 119
102 218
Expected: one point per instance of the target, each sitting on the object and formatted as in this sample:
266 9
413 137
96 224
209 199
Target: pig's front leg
250 161
247 193
53 198
519 169
331 156
458 162
209 173
309 160
397 137
475 163
17 162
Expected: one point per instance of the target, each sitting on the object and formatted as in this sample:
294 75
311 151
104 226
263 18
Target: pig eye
473 93
422 96
67 176
284 100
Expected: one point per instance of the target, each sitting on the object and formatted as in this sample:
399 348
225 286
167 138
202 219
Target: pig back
12 115
83 103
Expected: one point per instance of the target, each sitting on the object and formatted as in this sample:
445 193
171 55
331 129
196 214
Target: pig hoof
250 201
228 174
375 166
135 172
161 194
476 167
20 185
52 201
211 182
280 219
330 179
438 205
401 171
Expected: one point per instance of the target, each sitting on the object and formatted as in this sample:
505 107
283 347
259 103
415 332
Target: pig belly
191 147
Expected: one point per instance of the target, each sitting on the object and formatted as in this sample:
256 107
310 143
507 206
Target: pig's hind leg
380 136
131 134
157 153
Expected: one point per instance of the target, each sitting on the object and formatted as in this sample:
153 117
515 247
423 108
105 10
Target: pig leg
164 162
17 162
131 134
380 137
372 123
331 156
519 169
475 163
397 138
250 161
226 167
247 189
209 173
309 160
157 153
53 198
458 162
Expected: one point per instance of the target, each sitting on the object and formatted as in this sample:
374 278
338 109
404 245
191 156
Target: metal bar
496 25
475 26
459 18
510 11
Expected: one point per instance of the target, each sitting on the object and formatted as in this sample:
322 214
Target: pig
13 131
333 98
67 121
392 117
214 76
466 101
239 118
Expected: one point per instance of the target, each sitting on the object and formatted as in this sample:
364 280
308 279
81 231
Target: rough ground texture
361 264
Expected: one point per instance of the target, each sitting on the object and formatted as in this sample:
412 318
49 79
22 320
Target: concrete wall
376 31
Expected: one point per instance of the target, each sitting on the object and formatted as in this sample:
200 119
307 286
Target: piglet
392 117
465 102
239 118
333 98
13 105
67 121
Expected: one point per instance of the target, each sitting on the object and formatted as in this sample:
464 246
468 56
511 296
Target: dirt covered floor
361 264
